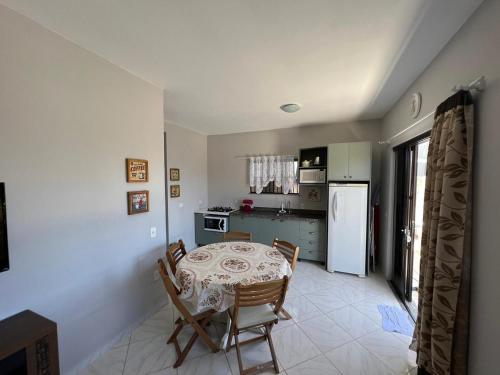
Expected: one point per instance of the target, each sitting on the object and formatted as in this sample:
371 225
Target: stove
218 210
221 209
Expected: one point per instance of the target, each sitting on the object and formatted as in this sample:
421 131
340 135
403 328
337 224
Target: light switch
181 205
153 232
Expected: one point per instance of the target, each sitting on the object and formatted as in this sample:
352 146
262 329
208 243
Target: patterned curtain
441 331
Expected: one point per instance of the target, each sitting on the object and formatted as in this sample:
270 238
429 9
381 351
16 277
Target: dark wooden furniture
28 345
197 320
291 254
257 305
288 250
237 236
175 253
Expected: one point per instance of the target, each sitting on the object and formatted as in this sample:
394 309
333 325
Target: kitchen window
271 187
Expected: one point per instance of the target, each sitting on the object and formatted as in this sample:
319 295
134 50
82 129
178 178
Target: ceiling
227 65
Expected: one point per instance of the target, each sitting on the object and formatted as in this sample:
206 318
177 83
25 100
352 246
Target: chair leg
285 313
199 328
175 333
185 351
198 331
238 354
271 346
230 337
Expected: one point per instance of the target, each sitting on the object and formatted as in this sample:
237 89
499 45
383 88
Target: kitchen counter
297 214
304 228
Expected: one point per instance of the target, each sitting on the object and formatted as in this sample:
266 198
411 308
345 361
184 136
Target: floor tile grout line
302 362
374 354
322 353
126 355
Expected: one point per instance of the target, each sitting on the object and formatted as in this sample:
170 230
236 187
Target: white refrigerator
347 227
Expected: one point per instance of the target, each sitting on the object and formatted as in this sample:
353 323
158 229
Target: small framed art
138 202
314 194
175 174
137 170
175 191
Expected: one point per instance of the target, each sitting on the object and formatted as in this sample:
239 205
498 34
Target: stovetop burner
220 209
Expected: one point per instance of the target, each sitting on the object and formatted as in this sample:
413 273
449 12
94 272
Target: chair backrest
289 251
175 253
237 236
272 292
173 292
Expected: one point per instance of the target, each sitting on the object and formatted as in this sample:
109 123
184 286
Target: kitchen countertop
297 214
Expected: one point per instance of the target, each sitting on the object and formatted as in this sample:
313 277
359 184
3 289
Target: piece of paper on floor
395 319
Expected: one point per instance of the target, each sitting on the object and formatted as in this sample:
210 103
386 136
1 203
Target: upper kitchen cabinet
350 161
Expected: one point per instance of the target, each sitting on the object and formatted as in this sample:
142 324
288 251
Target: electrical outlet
156 275
153 232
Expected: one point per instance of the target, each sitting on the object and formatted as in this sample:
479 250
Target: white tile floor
336 330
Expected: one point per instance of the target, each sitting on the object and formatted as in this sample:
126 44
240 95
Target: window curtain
264 169
441 332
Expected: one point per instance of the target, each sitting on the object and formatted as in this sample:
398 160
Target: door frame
404 209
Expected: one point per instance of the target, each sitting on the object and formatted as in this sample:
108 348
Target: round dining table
207 276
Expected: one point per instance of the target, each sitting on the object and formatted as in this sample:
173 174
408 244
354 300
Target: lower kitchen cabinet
202 236
307 233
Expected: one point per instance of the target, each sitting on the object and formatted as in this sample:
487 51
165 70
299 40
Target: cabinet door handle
311 232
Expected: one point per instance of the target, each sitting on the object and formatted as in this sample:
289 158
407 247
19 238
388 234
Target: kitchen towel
395 319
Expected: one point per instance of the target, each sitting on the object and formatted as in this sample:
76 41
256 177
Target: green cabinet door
242 223
287 230
312 239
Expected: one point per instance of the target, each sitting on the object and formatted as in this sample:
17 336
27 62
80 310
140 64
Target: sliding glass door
411 160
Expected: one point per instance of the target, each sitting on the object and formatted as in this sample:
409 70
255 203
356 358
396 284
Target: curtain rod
478 84
256 156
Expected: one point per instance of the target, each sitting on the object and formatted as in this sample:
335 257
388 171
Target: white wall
474 51
228 176
68 120
186 150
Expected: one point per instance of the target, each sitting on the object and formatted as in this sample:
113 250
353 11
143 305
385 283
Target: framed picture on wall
138 202
137 170
314 194
175 191
175 174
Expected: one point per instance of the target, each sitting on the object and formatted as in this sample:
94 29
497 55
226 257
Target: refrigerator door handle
334 206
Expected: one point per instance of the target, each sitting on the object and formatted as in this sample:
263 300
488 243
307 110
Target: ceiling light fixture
290 107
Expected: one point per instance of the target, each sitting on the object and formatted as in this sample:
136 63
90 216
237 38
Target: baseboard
127 331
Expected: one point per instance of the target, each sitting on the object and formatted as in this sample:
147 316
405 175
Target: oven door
216 223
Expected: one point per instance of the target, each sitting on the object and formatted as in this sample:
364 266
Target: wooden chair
175 253
289 251
257 305
188 316
238 236
291 254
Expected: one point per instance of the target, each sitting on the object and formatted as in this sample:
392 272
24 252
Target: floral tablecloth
207 276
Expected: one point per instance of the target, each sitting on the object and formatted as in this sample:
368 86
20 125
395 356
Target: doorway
411 165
